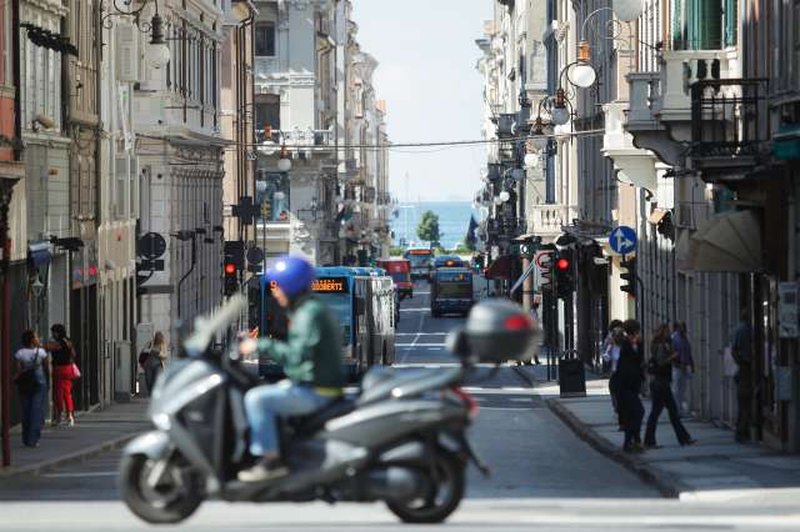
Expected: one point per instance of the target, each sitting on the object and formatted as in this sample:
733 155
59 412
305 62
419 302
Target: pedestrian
742 351
155 361
659 366
682 365
30 378
628 385
609 353
63 358
614 341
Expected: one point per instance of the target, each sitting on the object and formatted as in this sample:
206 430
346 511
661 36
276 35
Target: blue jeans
263 404
32 403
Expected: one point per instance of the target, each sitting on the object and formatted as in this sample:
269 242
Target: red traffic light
230 268
562 264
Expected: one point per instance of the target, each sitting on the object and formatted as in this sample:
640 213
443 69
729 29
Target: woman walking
628 385
660 367
154 363
31 366
62 354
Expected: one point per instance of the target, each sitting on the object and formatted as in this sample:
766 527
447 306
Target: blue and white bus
363 301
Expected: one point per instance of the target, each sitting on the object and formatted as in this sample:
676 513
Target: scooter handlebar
207 327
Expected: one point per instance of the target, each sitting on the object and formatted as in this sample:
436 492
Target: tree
428 228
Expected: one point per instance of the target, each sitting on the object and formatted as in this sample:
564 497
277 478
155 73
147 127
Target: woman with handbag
31 367
659 366
154 363
65 370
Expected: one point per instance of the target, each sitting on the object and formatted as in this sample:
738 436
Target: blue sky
427 55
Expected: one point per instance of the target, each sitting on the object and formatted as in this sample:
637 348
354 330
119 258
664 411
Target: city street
544 476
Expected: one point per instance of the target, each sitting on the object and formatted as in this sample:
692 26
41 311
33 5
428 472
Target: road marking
82 474
415 344
422 334
414 309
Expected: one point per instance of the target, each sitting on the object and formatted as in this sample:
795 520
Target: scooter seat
305 425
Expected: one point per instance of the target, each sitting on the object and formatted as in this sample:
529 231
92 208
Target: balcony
730 127
547 220
660 113
635 166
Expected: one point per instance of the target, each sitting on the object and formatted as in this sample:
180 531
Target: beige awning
729 242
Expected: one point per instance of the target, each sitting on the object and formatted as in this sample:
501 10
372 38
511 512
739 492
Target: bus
421 260
400 272
363 301
451 291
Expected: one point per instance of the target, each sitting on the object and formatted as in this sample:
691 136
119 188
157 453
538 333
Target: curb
110 445
666 484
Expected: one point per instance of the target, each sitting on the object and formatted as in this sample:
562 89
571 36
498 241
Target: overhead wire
405 147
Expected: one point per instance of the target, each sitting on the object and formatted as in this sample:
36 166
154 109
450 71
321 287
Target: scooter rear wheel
171 501
443 497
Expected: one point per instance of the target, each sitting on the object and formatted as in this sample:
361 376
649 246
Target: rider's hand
248 347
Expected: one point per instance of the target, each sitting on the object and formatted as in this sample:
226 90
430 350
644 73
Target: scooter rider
312 360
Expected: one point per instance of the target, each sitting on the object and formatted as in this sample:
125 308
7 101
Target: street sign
623 240
152 245
543 259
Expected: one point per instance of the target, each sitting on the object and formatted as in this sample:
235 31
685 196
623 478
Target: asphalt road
543 478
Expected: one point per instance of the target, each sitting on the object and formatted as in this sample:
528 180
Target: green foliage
428 228
463 248
396 251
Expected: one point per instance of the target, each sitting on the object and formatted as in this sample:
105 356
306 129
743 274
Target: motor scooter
402 439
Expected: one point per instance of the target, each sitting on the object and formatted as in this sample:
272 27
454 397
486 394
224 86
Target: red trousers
62 390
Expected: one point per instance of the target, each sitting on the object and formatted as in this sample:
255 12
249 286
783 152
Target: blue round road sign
623 239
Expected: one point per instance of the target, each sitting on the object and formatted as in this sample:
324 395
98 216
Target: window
268 111
265 39
704 24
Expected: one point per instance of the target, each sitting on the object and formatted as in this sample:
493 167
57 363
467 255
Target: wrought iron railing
730 118
296 137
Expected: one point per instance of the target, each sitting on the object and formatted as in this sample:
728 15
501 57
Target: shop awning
501 268
729 242
657 215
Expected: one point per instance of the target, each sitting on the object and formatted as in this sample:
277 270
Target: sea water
453 221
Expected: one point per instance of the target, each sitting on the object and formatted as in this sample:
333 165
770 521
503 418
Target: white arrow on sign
623 242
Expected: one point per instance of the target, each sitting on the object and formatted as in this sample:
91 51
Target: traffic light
563 273
628 276
232 265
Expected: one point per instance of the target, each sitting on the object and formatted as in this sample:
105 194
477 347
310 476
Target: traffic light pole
187 274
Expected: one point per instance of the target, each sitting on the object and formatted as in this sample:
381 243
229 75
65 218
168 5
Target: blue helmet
293 275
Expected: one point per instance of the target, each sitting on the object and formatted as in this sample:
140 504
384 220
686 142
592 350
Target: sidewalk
714 469
94 432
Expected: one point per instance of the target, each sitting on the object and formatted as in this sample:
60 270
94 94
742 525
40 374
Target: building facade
180 152
684 132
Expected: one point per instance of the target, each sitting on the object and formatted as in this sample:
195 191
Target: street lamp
158 51
157 55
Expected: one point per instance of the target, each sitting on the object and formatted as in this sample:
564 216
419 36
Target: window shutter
121 184
127 59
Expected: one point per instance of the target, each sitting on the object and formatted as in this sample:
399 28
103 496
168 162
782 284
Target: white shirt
30 357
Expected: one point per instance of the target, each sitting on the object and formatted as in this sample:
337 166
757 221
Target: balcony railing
730 119
296 137
549 219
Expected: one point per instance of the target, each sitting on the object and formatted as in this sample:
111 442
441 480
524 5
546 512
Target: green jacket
312 352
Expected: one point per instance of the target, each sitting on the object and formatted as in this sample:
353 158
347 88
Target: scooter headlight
162 422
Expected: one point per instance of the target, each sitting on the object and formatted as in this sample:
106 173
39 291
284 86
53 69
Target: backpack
144 355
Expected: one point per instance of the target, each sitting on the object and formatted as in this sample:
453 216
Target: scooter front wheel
175 496
444 493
